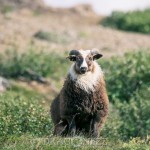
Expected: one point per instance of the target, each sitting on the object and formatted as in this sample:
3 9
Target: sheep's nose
83 69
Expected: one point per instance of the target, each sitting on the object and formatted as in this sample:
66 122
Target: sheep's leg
94 132
60 129
72 126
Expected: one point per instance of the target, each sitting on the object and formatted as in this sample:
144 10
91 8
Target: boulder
4 84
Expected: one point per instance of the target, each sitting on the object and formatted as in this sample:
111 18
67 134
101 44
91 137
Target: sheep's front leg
60 129
72 126
94 130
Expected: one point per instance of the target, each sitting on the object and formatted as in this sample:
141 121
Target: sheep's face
84 60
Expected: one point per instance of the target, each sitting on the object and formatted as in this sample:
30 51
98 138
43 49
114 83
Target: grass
27 142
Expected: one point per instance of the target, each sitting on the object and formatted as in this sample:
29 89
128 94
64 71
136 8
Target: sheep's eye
79 58
90 58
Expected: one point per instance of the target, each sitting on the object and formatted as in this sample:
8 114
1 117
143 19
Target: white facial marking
84 64
84 55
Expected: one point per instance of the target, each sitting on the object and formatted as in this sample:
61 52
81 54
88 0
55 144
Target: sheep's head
84 59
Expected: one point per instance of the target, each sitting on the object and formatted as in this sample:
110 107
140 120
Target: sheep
82 104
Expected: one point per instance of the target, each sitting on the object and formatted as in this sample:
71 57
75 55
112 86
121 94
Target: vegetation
130 72
20 115
137 21
28 142
128 88
52 37
6 9
32 65
25 121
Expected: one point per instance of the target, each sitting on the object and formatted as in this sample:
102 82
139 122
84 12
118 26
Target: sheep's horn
96 54
74 52
72 55
94 51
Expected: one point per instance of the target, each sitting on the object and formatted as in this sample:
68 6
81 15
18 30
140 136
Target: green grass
27 142
137 21
25 122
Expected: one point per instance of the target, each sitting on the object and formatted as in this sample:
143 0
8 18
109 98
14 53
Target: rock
4 84
83 10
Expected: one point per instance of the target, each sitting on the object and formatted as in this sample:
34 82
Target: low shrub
128 85
113 124
20 115
6 9
137 21
129 119
52 37
32 65
135 115
126 75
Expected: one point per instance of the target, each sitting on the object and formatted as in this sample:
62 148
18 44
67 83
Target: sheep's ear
96 54
73 54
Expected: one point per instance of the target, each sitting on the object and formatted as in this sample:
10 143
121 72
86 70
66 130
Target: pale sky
104 7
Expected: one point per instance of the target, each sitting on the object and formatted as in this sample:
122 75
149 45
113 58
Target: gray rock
4 84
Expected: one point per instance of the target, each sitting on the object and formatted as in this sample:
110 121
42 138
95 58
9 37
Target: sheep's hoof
60 130
94 134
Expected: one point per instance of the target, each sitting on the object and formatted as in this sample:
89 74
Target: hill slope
64 29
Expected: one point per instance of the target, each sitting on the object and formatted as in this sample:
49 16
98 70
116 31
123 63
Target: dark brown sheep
82 104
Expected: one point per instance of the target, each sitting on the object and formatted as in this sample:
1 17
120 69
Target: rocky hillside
61 29
18 4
